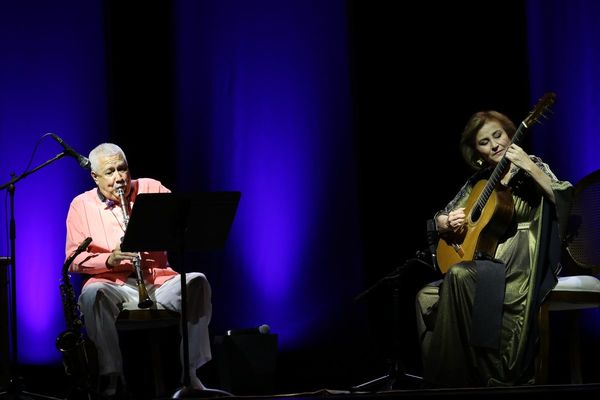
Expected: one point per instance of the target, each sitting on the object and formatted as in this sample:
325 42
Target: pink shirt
90 216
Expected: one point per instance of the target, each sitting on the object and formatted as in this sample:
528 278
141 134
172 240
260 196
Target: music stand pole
184 320
15 384
187 391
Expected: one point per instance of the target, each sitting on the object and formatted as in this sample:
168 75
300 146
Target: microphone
262 330
84 162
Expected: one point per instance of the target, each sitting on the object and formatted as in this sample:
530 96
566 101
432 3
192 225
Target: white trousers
100 304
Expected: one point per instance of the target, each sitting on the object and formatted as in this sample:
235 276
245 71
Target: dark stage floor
585 391
45 383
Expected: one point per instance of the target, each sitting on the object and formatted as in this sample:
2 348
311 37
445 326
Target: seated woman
477 326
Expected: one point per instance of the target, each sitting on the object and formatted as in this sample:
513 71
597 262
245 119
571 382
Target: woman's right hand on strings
456 219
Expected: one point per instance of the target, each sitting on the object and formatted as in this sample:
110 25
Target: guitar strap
486 316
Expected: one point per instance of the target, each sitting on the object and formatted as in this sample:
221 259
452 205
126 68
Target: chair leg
154 342
541 373
574 347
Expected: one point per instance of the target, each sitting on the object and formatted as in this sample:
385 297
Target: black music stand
181 222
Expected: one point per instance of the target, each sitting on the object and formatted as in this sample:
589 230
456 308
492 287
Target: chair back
583 227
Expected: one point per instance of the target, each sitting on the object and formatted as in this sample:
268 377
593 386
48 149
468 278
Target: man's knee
199 296
91 294
99 298
198 284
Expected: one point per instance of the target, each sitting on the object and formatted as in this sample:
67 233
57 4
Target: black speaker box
247 363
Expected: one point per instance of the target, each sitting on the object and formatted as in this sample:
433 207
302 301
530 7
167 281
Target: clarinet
144 300
79 355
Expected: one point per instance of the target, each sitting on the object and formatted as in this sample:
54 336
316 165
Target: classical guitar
489 208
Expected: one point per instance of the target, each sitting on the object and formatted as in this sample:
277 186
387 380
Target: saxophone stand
181 222
16 386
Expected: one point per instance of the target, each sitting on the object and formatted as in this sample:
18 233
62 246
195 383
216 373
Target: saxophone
79 354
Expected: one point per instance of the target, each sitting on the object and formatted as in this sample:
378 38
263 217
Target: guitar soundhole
475 214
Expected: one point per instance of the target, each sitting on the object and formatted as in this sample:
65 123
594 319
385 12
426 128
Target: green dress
527 253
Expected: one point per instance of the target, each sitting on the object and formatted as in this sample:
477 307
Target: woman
477 325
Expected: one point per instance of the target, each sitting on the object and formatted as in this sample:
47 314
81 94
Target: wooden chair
580 289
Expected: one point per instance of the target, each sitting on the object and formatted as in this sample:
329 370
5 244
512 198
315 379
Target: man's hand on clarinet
116 256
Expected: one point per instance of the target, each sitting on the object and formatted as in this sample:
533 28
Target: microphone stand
397 369
16 387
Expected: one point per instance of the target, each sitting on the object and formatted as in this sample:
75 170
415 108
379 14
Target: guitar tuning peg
545 114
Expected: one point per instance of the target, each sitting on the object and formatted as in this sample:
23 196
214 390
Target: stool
148 326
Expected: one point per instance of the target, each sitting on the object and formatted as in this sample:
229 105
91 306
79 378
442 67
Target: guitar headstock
542 106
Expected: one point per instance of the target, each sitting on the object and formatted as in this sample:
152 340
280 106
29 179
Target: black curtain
141 84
